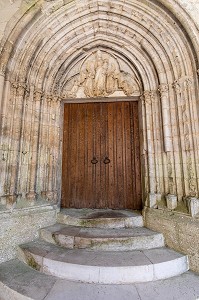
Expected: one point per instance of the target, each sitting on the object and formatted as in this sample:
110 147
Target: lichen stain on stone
33 264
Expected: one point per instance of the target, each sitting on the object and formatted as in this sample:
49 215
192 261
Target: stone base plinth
181 231
21 226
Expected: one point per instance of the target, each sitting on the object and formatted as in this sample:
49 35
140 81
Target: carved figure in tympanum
100 76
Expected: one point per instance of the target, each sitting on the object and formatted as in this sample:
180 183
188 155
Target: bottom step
104 267
20 282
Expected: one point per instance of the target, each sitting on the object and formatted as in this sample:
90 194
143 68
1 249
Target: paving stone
26 281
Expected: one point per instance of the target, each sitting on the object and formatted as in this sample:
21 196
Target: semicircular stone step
118 239
106 267
15 279
100 218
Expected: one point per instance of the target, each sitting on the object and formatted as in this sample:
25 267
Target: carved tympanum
100 76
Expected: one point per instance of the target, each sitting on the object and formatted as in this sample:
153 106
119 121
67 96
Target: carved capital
148 97
38 94
189 82
20 88
163 89
2 68
183 84
56 99
49 98
177 85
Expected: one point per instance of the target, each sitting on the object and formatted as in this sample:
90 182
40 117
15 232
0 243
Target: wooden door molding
100 100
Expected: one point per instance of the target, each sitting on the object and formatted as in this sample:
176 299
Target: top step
100 218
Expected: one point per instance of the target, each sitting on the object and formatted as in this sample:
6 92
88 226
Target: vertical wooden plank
111 192
124 158
115 161
100 139
128 158
64 155
72 155
81 155
98 154
119 155
89 186
133 174
104 154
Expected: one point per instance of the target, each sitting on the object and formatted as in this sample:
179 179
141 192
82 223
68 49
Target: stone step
105 267
20 282
100 218
118 239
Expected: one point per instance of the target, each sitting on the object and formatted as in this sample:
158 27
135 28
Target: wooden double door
101 156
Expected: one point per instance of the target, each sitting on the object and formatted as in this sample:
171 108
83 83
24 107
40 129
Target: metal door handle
94 161
106 161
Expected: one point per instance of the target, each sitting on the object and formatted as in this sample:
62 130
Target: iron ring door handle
106 161
94 161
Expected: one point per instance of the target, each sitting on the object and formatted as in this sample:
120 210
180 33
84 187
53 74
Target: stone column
147 98
183 93
191 132
2 79
164 94
32 194
53 151
46 149
15 135
43 146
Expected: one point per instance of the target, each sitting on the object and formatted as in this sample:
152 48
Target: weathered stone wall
7 10
20 226
192 8
181 232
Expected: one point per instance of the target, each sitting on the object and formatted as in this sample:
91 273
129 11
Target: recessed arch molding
61 50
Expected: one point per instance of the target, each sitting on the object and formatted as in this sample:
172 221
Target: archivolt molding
97 26
133 48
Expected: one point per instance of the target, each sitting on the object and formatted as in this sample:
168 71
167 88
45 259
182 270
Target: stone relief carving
170 173
183 87
100 76
165 106
191 177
